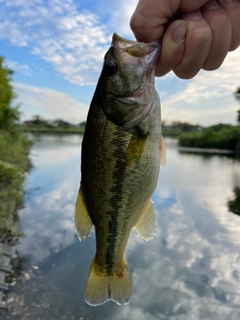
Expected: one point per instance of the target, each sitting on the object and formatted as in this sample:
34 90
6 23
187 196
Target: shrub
227 138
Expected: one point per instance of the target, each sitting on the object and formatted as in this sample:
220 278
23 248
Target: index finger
150 16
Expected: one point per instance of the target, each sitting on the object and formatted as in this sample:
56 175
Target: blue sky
56 49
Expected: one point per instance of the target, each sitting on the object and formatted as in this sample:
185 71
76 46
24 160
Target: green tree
61 123
237 96
8 114
38 120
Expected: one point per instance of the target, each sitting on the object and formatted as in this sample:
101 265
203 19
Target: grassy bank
170 133
14 164
227 138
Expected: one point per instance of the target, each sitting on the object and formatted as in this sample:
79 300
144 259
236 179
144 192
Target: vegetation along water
14 162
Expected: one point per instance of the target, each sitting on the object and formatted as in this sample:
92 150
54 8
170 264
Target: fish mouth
137 53
122 43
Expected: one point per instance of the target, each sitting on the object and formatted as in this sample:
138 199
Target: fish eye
111 67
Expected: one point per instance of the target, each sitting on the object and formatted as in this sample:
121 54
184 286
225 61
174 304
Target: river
189 271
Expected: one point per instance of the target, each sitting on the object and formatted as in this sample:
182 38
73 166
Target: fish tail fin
100 287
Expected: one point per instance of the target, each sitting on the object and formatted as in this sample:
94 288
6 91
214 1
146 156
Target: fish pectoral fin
101 288
147 223
162 151
83 221
136 146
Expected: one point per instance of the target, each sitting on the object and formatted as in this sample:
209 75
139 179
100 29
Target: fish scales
120 166
117 186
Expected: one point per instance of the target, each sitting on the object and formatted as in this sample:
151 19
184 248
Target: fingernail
193 15
179 32
212 5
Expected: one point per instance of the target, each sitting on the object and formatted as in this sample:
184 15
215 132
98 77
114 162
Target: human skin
195 34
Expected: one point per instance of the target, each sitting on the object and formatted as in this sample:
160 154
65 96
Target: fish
122 149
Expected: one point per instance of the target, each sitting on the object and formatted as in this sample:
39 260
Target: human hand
195 34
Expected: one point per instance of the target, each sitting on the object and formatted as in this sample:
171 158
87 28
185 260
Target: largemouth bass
121 153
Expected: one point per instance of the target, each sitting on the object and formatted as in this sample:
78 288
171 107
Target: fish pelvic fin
162 151
83 221
101 288
147 223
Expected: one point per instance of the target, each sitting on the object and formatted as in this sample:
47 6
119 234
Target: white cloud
17 67
73 42
208 97
50 104
122 15
11 31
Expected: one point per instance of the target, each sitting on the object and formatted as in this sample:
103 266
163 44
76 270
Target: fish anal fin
103 287
147 223
162 152
136 146
83 221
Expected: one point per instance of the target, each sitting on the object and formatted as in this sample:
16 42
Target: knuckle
202 33
211 66
184 73
234 44
135 20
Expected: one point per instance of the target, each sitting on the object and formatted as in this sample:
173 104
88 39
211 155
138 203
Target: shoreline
62 131
205 150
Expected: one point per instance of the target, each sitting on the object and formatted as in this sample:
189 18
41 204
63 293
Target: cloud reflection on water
47 218
190 270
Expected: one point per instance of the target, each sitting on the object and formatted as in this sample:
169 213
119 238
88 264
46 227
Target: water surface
189 271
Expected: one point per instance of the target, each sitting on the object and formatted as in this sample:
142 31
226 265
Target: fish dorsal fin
162 152
83 221
135 147
147 223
